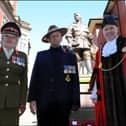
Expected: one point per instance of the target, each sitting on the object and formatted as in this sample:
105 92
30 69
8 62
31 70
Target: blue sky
41 14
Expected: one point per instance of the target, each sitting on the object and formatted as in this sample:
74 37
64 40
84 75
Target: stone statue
79 39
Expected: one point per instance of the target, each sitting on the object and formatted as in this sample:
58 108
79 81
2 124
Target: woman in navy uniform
54 85
13 76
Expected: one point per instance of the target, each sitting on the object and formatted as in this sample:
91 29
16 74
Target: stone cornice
25 25
7 9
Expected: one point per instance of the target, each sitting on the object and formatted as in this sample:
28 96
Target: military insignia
72 69
69 69
66 69
12 29
67 78
14 58
18 60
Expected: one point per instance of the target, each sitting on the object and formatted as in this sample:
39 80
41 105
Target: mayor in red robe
108 81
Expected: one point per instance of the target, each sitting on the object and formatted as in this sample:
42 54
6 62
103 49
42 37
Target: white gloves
93 96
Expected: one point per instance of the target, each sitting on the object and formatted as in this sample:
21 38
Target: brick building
8 13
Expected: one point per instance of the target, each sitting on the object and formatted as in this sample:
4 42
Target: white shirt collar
110 47
8 53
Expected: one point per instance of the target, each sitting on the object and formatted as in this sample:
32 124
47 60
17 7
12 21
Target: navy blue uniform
54 86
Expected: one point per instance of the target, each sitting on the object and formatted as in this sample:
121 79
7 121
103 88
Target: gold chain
112 68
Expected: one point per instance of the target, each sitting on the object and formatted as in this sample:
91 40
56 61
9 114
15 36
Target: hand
33 107
21 109
93 95
94 100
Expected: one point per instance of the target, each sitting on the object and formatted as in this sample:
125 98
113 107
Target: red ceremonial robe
110 75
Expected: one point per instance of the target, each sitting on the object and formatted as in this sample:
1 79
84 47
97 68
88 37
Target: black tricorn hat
51 29
109 20
11 28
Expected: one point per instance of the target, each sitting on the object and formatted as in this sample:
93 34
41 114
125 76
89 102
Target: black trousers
53 117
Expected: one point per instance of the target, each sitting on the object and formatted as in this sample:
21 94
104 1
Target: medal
67 78
69 69
66 69
14 58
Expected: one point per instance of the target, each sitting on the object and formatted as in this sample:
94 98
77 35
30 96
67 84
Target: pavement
27 119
